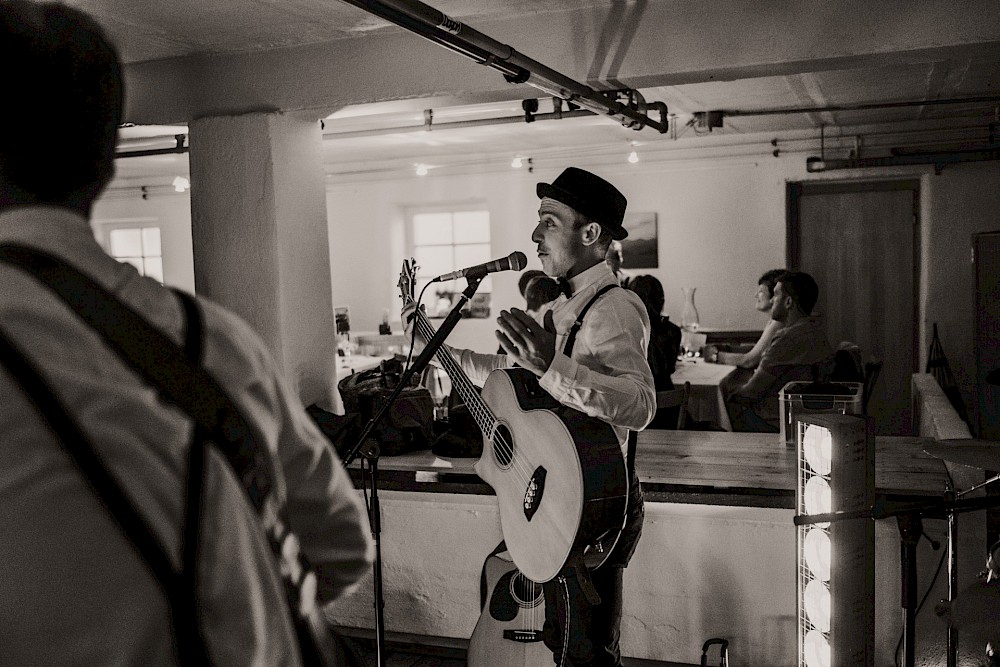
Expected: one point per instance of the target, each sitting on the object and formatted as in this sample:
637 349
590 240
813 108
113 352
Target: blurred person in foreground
76 585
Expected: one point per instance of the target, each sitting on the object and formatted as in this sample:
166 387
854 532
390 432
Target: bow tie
565 288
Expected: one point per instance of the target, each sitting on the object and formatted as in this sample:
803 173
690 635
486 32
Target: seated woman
664 343
763 300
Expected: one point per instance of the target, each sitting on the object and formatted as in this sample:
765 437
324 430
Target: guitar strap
177 587
483 586
188 386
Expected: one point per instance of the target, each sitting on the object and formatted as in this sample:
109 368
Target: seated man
797 350
762 302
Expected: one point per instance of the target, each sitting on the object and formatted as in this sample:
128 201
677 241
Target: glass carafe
689 313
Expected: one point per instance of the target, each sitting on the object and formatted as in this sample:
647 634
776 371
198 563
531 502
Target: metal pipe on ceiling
179 147
937 158
457 124
516 67
865 107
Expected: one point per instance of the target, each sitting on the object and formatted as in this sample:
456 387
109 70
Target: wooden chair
675 398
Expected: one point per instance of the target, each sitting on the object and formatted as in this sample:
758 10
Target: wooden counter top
699 466
760 460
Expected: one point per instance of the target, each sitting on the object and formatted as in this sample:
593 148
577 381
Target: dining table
705 402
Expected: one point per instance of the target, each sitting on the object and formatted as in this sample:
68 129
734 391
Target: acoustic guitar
558 474
509 630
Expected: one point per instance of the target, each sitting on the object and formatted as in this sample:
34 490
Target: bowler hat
590 195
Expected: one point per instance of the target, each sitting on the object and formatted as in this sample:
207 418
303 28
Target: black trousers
590 638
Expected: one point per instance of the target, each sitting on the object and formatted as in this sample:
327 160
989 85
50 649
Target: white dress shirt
73 590
607 376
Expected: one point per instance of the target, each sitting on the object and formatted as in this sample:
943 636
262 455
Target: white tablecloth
705 403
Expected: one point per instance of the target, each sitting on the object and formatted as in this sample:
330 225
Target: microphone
515 261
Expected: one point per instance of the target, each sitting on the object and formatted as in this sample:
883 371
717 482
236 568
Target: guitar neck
480 411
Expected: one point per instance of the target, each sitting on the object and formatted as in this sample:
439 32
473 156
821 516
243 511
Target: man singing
601 371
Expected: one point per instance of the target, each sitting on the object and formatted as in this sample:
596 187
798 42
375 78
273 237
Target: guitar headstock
408 279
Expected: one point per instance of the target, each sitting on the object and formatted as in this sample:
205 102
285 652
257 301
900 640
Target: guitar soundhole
503 446
525 592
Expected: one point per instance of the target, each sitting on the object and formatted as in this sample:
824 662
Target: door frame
796 189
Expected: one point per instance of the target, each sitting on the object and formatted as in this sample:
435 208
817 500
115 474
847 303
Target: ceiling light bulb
181 184
421 170
633 157
516 163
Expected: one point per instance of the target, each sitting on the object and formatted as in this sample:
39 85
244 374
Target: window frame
483 310
107 227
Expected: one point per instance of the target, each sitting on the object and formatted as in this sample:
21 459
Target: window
445 241
140 247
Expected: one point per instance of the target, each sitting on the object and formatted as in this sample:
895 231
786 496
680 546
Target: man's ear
589 233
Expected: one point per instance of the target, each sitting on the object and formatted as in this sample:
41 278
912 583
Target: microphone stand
909 517
367 447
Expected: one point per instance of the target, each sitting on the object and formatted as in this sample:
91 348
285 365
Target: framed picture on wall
640 250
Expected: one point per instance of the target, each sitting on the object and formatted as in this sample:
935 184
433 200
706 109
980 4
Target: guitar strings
475 402
472 398
467 390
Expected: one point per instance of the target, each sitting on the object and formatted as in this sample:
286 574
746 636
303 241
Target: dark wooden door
986 267
860 242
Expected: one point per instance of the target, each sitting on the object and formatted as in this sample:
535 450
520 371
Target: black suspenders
182 382
177 587
568 351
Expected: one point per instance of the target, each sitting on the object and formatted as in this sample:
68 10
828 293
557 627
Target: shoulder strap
190 643
195 483
156 358
571 339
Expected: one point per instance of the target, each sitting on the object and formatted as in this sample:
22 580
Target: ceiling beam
675 43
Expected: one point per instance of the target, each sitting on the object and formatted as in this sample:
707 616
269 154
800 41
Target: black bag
408 426
463 439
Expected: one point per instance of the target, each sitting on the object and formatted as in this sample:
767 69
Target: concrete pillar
259 225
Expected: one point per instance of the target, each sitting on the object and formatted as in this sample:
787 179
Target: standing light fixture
835 584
